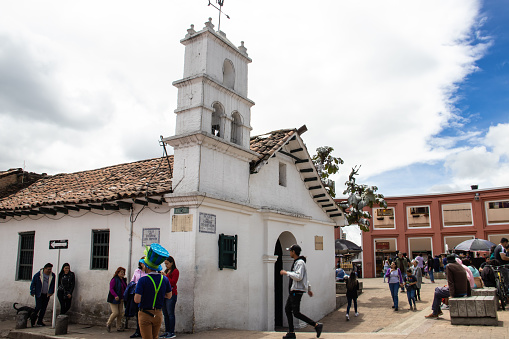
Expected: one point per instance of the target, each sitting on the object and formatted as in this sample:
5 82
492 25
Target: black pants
40 308
65 302
292 308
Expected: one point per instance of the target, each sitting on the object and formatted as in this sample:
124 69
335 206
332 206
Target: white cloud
486 165
375 79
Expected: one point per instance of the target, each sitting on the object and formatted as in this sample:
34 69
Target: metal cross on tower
220 3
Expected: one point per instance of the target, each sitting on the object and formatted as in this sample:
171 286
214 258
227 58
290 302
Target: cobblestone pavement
376 320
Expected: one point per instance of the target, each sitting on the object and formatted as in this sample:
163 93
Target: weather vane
220 3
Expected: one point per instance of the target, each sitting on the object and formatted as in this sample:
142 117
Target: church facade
225 205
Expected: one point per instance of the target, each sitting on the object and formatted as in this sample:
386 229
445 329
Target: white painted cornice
207 79
212 142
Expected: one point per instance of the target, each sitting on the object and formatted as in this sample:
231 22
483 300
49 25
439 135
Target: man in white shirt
298 286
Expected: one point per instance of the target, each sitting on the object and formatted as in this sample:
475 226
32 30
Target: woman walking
352 285
66 281
386 266
417 272
395 281
118 285
172 273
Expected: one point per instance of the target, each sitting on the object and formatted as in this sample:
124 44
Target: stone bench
341 287
474 310
484 292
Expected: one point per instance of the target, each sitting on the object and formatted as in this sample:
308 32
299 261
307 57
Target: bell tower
213 128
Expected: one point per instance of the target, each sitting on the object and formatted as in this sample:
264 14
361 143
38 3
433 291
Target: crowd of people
150 297
462 276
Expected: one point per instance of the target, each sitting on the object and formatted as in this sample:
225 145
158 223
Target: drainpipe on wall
130 243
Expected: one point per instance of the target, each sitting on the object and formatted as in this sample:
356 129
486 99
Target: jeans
410 293
350 304
169 314
292 308
40 307
394 287
440 293
65 302
430 271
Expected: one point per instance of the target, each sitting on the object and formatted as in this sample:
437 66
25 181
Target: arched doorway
285 240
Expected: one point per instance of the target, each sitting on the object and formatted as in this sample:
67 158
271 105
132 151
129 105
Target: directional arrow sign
58 244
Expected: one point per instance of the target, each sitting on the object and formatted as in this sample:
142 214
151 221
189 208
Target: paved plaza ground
376 320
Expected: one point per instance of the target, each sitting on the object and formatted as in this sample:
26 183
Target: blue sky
481 101
415 92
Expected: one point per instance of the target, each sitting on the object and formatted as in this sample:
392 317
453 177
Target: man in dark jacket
457 285
42 287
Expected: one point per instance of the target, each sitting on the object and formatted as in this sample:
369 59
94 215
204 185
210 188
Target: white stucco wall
264 190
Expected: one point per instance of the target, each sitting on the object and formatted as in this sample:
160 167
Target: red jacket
173 277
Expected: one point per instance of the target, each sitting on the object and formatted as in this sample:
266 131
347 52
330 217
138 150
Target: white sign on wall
150 236
207 223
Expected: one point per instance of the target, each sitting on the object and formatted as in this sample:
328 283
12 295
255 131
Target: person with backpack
352 286
299 285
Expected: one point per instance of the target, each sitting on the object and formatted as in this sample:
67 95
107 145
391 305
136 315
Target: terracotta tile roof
114 182
100 185
268 144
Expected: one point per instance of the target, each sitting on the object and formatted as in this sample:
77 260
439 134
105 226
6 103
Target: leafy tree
360 196
326 165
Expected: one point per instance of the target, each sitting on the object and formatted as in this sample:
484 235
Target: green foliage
326 165
360 196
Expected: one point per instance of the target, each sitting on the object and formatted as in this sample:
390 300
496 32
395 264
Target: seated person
457 286
488 275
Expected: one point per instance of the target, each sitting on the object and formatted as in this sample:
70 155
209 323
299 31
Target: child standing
352 285
411 286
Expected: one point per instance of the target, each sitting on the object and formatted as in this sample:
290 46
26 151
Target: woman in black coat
66 282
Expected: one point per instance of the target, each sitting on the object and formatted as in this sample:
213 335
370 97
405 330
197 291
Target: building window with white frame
383 218
418 216
457 214
497 212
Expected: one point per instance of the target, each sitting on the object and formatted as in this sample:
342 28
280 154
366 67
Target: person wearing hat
151 291
299 285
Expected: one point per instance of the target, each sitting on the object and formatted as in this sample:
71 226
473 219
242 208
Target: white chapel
226 205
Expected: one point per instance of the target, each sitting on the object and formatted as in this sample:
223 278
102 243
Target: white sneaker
356 314
347 317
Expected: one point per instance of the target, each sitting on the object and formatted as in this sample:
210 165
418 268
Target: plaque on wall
181 210
150 236
318 243
207 223
182 223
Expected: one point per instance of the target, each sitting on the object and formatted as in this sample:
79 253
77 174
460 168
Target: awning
346 246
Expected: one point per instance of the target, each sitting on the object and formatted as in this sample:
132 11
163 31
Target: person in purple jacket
395 279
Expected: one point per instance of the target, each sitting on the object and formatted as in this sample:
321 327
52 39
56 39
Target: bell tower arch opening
228 74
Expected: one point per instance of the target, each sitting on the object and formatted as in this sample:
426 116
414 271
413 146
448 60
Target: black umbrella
474 245
346 246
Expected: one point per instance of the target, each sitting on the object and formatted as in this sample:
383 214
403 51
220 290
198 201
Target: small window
228 74
236 135
100 250
282 174
25 256
418 216
217 113
227 251
497 212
